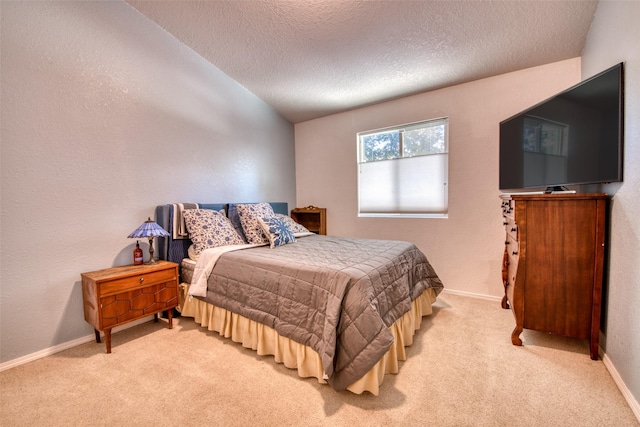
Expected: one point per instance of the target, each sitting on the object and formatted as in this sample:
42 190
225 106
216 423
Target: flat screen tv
575 137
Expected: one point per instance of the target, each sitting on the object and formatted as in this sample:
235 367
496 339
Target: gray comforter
337 295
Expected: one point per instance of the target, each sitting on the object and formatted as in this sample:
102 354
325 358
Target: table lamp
149 229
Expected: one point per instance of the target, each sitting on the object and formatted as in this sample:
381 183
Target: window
403 170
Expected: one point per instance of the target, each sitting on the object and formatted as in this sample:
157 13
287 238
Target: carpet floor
462 370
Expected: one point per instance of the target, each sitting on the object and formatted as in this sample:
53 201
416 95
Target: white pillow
191 251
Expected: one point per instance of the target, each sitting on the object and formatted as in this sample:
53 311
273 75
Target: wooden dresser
313 218
115 296
553 263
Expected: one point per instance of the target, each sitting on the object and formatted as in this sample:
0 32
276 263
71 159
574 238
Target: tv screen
572 138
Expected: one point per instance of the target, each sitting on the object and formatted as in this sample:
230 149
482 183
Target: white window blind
403 171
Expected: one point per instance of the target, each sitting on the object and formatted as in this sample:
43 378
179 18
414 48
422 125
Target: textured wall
466 248
104 116
614 38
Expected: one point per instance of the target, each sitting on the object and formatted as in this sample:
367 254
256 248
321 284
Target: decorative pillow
277 231
209 229
249 214
294 226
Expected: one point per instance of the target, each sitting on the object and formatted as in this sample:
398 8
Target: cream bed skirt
266 341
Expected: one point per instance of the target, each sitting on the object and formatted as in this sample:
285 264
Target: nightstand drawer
129 283
124 307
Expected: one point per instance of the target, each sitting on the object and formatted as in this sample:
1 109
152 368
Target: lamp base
152 260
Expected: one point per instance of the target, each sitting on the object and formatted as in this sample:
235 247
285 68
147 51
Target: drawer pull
513 229
514 253
141 279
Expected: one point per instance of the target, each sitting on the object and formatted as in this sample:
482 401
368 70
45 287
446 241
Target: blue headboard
176 250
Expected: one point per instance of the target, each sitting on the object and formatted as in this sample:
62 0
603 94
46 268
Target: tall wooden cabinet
553 263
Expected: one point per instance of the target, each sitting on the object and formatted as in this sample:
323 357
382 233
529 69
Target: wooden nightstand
115 296
313 218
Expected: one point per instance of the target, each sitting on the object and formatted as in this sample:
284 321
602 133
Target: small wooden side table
115 296
313 218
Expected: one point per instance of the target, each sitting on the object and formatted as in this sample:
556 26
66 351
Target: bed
339 309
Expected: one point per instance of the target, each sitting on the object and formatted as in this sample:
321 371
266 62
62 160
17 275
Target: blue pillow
277 231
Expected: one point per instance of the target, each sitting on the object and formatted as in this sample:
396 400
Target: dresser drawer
129 283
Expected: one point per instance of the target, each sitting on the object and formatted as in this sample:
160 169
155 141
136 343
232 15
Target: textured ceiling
308 59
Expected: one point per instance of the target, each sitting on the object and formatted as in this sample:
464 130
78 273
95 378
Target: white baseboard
633 403
64 346
472 295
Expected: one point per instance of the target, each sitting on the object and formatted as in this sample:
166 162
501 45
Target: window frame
402 129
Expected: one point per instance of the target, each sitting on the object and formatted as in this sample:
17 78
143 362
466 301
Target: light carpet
461 371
